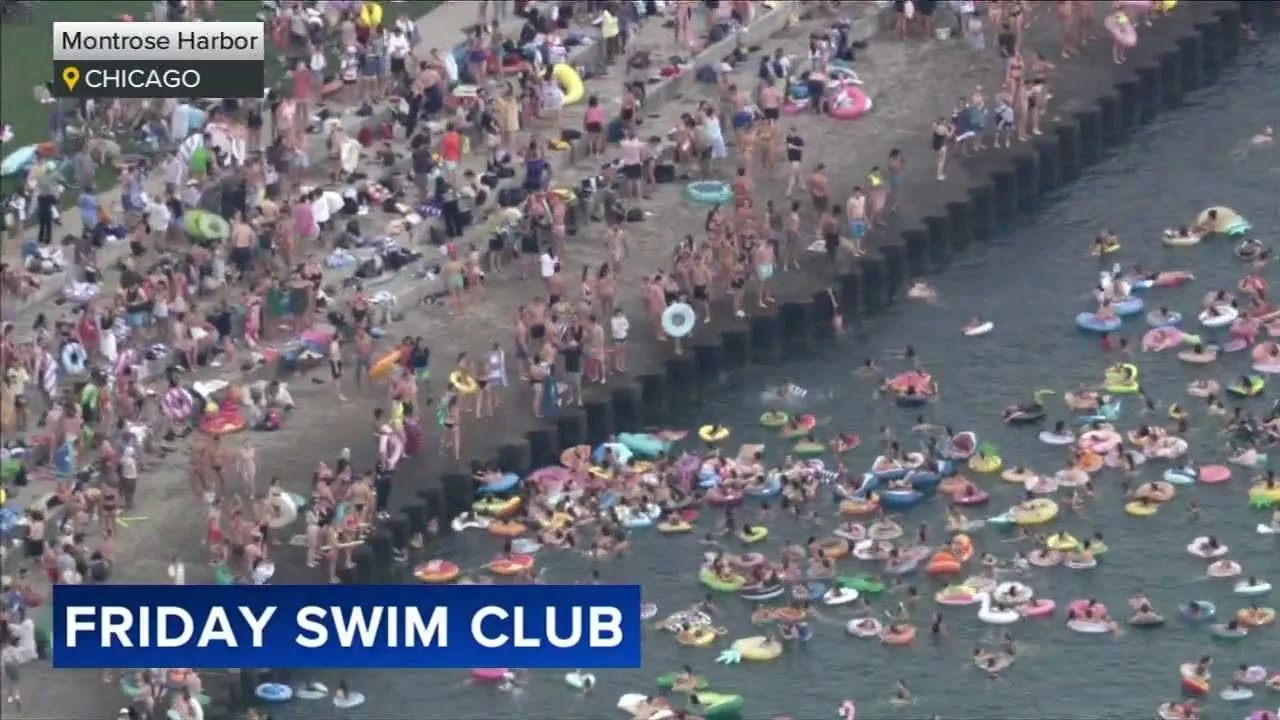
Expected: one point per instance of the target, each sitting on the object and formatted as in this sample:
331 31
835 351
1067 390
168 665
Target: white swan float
996 616
864 627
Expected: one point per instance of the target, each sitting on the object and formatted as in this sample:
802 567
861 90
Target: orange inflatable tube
834 548
903 636
853 507
1089 462
222 423
385 364
511 565
943 562
506 529
962 547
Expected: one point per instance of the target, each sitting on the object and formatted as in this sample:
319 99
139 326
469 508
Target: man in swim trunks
856 208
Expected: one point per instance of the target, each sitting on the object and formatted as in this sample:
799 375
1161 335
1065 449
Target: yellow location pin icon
71 76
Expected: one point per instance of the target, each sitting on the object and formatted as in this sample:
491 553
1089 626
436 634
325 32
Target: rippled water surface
1031 282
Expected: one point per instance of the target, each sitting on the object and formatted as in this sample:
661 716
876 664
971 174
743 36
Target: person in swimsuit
335 365
942 132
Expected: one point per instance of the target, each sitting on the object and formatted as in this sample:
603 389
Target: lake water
1033 280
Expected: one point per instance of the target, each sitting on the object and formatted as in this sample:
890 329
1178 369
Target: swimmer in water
923 291
901 694
1266 137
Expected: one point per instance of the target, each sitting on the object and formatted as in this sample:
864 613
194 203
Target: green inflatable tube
716 706
774 419
708 192
805 448
666 682
861 583
708 578
643 444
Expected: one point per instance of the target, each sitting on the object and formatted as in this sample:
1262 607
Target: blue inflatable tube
772 488
621 453
1142 284
1128 307
890 474
709 192
274 692
1173 320
1178 476
924 481
1089 322
643 444
900 499
505 484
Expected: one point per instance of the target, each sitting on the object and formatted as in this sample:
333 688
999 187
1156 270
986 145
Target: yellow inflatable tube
371 14
758 649
569 81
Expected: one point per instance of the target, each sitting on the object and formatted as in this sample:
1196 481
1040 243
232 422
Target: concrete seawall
1183 53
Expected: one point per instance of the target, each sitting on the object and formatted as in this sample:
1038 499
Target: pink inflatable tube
795 108
1161 339
1038 608
553 476
488 675
978 497
849 103
1214 474
1121 29
1078 607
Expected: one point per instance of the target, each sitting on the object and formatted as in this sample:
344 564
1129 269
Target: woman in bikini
451 438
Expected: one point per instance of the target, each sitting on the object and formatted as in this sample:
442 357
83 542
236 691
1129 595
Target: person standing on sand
335 364
856 211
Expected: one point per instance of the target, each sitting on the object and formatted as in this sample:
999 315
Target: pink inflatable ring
489 675
1214 474
849 103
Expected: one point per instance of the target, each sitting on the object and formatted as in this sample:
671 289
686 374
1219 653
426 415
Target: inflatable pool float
713 433
1257 587
1219 316
673 526
1224 631
1253 388
1036 511
808 448
1139 509
569 81
697 637
719 497
900 499
1161 338
1012 593
962 446
1199 611
462 383
1264 529
854 507
436 572
957 595
1156 491
970 497
717 706
1048 437
506 529
638 705
513 565
1256 617
1090 322
1121 379
1121 29
985 463
733 583
1261 489
1128 307
1251 675
708 192
901 635
1042 557
865 584
1225 221
774 419
1038 608
1236 694
840 596
668 681
923 480
496 506
753 534
678 320
979 330
864 627
758 648
503 485
1214 474
943 563
1195 685
761 591
348 701
648 610
1062 542
849 103
1174 238
621 454
1088 627
469 521
1041 485
1201 548
1071 478
996 616
489 675
525 546
274 692
833 548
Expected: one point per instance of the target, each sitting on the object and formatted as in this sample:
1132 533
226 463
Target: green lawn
26 54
